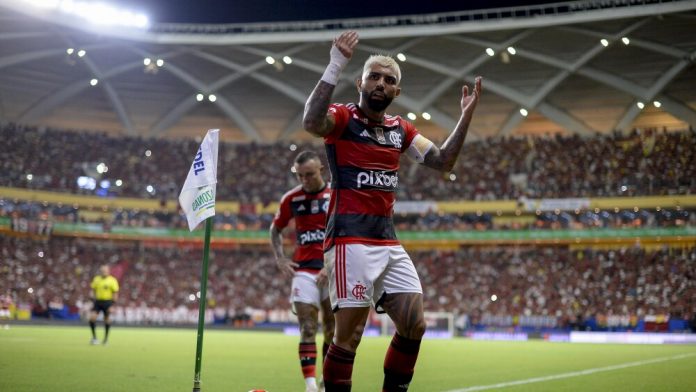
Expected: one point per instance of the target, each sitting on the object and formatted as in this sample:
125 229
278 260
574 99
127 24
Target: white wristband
333 70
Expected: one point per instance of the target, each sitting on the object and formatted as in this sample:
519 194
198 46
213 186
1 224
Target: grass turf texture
55 359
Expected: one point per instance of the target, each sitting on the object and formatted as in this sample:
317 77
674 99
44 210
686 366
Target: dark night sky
216 11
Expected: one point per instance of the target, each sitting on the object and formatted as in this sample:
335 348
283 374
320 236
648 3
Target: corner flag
197 197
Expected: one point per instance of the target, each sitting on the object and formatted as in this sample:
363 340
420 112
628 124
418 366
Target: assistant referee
105 290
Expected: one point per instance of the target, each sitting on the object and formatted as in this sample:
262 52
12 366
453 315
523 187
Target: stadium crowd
639 163
535 287
543 287
429 221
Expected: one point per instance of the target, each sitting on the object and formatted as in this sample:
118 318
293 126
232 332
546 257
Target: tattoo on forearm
316 107
277 243
453 145
445 157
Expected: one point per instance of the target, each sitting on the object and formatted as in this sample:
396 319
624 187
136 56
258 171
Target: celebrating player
365 262
307 205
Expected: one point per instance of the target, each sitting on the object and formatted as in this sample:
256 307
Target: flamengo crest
395 138
359 291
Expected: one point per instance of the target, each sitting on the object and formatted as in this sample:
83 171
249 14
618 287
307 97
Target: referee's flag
197 197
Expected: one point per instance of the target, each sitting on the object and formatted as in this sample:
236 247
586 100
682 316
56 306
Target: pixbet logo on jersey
309 237
378 179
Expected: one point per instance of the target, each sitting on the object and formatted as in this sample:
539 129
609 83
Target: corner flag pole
197 200
201 306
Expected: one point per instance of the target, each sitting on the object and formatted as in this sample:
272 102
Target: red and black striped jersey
363 158
309 211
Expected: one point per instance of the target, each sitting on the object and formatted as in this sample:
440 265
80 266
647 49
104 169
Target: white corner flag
197 197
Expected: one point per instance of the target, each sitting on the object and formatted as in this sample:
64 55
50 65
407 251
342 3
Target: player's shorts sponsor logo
359 291
310 237
377 179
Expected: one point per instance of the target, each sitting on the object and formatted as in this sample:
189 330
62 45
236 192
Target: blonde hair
385 61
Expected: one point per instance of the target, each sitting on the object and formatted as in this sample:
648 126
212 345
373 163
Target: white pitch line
572 374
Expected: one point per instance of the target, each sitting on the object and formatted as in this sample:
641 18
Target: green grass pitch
56 359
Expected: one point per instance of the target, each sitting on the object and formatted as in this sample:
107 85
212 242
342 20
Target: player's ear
358 83
398 91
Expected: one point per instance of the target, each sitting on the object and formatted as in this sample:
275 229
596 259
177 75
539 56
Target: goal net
438 325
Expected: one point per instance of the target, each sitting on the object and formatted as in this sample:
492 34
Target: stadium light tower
97 13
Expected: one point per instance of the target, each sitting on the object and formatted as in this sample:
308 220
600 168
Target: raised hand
469 101
445 157
346 42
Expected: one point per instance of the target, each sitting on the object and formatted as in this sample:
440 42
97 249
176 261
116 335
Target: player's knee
349 337
351 342
308 330
416 330
356 337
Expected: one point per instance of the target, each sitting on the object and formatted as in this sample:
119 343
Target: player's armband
418 148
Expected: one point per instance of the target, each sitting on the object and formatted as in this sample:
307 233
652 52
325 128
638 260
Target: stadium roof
249 11
546 69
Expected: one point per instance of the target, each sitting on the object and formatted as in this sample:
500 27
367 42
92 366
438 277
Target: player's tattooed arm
445 157
276 242
286 266
316 119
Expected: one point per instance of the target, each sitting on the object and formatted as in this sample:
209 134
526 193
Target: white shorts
306 290
360 275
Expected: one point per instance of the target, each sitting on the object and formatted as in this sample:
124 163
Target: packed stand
159 283
544 287
54 160
430 221
636 164
639 163
551 287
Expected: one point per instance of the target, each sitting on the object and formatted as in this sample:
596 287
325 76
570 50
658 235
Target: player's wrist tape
333 70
